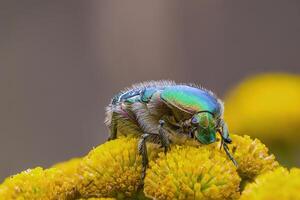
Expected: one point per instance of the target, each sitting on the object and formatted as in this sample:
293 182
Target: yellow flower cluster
279 184
266 106
38 184
113 170
192 173
25 185
172 176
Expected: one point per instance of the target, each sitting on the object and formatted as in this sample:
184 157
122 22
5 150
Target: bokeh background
62 61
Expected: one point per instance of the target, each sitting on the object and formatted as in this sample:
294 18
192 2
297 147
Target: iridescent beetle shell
192 99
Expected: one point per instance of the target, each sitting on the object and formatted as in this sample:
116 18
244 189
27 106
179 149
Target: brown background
62 61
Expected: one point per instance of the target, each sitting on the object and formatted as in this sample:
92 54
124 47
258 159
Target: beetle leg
226 140
222 138
113 128
192 132
226 149
225 133
165 142
142 149
222 143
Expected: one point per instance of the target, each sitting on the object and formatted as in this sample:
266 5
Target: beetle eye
195 121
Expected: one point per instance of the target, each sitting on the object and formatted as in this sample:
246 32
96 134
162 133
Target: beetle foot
143 175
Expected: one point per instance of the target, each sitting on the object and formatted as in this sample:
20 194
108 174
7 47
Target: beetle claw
228 140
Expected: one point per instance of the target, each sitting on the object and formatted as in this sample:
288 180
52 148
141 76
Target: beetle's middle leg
165 142
142 149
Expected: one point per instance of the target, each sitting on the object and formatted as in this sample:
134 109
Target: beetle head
205 127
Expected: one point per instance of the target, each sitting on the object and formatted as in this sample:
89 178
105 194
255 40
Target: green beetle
164 112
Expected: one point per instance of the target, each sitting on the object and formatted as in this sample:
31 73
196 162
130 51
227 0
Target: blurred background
62 61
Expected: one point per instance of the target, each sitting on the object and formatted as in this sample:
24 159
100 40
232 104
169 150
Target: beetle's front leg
225 139
226 149
224 132
142 149
165 142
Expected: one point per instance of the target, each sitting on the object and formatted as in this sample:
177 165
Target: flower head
37 184
113 169
252 157
279 184
192 173
24 185
266 106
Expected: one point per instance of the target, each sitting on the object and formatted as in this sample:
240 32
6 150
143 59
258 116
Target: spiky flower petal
192 173
279 184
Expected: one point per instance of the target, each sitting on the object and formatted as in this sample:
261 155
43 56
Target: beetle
163 112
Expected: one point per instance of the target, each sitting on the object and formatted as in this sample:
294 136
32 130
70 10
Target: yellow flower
69 178
279 184
37 184
252 157
113 169
192 173
25 185
266 106
58 182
